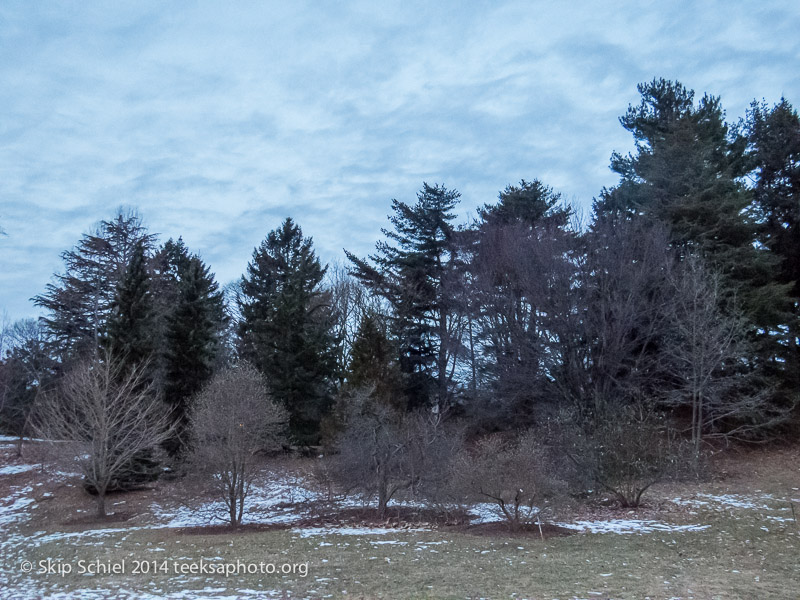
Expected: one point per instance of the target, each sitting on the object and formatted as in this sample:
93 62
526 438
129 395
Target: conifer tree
774 153
79 301
373 362
286 327
687 173
191 343
412 272
131 324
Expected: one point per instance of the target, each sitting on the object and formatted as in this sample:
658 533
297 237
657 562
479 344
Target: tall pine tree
774 153
687 173
192 329
286 328
412 272
129 334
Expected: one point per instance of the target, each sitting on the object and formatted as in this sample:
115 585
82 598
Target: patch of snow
725 501
15 511
626 526
13 469
485 512
312 531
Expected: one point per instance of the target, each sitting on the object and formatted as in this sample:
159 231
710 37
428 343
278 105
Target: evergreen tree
191 341
413 275
687 172
80 300
286 327
130 326
373 362
774 153
519 274
530 203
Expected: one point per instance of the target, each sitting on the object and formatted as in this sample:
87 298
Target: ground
734 535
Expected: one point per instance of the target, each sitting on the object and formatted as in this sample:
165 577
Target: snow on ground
628 526
13 507
316 531
484 512
14 469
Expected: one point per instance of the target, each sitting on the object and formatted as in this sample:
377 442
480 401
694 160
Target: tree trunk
101 503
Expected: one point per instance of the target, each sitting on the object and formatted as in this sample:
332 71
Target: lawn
743 543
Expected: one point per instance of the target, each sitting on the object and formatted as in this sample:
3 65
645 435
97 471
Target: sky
217 120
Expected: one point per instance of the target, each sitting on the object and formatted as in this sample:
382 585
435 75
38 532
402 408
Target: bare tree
383 451
518 475
349 301
711 358
628 449
234 418
107 416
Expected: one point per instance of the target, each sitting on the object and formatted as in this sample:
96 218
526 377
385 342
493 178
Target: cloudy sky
219 119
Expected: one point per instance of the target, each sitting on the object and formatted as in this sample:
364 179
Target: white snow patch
312 531
15 511
13 469
626 526
725 501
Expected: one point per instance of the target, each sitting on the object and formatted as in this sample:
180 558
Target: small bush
518 475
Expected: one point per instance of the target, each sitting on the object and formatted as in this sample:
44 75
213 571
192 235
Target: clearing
734 536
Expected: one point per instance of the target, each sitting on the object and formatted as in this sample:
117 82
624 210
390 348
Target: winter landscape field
736 532
399 299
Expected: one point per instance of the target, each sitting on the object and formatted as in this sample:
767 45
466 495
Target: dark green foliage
774 153
191 340
286 327
530 203
520 278
80 301
687 174
411 272
130 326
373 362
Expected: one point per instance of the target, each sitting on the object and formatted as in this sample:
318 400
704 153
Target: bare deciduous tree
383 451
712 360
517 475
234 418
628 449
107 416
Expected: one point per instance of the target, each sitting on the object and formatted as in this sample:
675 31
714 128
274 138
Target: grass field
748 549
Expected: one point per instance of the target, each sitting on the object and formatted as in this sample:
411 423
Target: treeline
673 314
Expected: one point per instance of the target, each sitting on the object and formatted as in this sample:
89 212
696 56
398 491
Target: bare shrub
382 451
627 450
107 416
234 418
517 474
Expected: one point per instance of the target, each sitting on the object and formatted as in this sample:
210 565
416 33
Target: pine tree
412 275
80 301
530 202
373 362
687 173
286 327
130 327
774 153
191 341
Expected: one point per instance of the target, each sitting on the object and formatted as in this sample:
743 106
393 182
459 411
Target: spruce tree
131 324
286 328
191 342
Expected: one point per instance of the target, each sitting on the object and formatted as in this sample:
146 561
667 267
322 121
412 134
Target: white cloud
219 120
